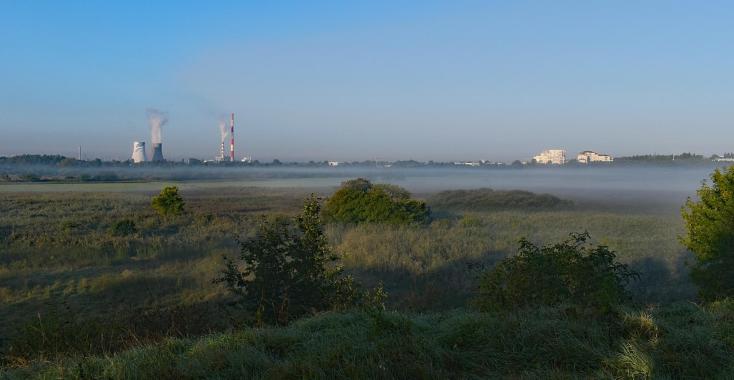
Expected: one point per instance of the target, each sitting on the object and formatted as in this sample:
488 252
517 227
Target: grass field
680 341
64 273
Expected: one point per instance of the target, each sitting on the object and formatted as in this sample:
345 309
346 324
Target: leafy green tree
168 203
570 272
358 201
288 270
710 235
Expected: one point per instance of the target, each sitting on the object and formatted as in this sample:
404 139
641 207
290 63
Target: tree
358 201
288 270
168 203
570 272
710 235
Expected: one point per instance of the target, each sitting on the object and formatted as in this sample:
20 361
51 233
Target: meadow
65 271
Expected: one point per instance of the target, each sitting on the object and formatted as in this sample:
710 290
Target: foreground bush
710 226
288 270
359 201
570 272
494 200
677 341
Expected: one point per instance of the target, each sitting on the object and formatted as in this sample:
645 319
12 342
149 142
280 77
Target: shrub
570 272
123 228
491 200
359 201
168 202
710 226
288 270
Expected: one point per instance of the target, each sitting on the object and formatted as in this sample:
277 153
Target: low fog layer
663 186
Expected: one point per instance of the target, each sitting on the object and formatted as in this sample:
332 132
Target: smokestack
223 139
221 153
158 152
139 152
231 133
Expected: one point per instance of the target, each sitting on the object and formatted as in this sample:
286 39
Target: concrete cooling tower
139 152
158 152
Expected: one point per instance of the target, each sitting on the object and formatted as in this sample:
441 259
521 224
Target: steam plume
156 120
223 129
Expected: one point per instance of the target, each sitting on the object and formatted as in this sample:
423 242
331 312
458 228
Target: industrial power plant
223 134
157 119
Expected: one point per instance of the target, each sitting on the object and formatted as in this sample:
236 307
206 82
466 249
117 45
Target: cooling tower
139 152
157 152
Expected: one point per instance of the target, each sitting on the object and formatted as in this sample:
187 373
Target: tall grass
61 260
677 341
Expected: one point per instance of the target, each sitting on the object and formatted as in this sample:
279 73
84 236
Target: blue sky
340 80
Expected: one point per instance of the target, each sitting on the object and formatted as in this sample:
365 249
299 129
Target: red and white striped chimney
231 143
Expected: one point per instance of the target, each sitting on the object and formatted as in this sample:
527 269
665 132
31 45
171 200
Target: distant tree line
60 161
663 157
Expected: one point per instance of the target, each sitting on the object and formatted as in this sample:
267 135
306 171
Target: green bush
492 200
359 201
168 202
571 272
288 270
710 226
123 228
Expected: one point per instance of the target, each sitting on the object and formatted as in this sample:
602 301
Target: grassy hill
675 341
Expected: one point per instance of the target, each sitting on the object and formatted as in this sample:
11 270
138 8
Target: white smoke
223 129
156 120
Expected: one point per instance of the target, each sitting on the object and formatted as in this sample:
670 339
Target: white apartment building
588 156
551 156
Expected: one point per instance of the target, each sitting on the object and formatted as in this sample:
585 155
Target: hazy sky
340 80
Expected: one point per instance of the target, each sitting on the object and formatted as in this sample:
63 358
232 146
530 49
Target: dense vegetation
288 270
496 200
710 226
84 276
360 201
681 341
570 272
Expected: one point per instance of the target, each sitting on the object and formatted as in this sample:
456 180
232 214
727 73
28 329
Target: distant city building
334 163
551 156
588 156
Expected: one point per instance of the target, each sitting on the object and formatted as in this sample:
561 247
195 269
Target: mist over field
366 190
652 187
